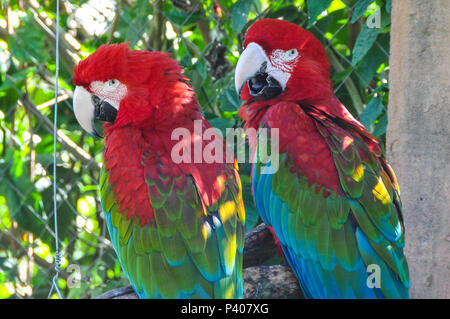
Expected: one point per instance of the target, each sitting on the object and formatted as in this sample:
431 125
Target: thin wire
55 137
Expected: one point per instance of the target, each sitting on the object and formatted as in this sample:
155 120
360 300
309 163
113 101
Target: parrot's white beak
249 64
89 107
254 68
84 109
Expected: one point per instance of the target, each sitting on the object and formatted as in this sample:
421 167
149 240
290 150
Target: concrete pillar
418 137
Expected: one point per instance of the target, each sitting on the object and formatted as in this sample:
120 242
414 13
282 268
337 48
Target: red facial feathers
158 94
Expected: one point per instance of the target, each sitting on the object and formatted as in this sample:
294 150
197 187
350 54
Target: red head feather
157 92
274 34
310 80
308 84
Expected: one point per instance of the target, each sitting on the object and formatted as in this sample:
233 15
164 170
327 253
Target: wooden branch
119 293
259 246
203 27
271 282
11 237
4 34
157 26
353 32
262 282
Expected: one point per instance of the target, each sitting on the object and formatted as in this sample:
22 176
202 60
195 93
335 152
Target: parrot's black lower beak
103 111
262 86
88 107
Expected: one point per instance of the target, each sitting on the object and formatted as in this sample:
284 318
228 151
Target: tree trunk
418 138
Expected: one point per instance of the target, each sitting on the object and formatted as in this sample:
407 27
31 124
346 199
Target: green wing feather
190 250
330 240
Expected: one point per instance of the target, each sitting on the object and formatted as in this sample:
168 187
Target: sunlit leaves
26 43
360 8
133 21
315 8
369 33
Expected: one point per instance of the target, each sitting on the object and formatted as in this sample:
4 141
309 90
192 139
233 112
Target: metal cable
55 137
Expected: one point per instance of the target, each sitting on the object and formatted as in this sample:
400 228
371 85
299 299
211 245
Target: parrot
334 201
177 227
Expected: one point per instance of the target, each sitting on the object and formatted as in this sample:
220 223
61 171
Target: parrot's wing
190 249
335 241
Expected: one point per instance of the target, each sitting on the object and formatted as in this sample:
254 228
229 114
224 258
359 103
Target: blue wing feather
321 276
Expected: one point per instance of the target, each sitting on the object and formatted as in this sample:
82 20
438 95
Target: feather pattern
177 228
184 246
331 233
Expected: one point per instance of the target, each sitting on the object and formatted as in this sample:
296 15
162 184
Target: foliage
206 38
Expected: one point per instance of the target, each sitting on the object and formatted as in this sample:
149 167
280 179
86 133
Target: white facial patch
111 91
282 64
279 64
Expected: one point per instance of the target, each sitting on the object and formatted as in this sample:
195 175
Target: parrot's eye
112 83
291 54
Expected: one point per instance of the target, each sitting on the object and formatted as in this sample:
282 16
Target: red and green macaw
177 227
334 201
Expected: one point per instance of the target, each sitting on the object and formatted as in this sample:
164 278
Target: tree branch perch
260 282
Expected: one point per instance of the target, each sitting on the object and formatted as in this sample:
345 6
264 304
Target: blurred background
206 38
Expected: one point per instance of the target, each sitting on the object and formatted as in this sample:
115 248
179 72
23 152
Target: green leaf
316 7
233 98
371 112
382 88
251 214
182 19
380 126
221 124
372 60
289 13
366 39
186 60
229 100
239 14
340 76
133 21
202 68
360 8
8 98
